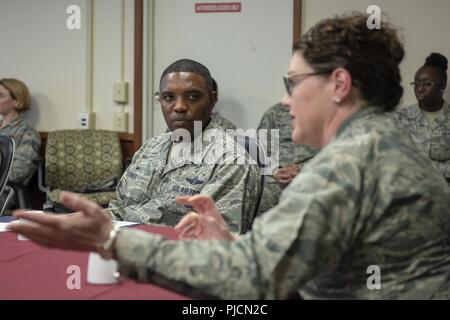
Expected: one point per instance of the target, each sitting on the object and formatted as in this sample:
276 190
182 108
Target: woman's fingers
44 219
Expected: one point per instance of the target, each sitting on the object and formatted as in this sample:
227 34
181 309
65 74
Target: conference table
29 271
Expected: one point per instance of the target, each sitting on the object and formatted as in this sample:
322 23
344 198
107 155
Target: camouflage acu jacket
369 200
27 142
434 138
159 173
223 122
277 117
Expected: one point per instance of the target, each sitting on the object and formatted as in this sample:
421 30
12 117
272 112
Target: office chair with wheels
7 148
256 150
23 195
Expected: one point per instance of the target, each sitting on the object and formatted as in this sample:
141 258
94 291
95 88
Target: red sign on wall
217 7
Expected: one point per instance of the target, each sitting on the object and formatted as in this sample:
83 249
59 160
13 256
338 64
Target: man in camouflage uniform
277 118
147 190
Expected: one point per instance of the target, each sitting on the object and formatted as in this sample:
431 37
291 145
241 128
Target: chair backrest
77 158
7 148
256 150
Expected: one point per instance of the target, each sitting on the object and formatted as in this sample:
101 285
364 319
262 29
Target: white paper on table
3 227
123 224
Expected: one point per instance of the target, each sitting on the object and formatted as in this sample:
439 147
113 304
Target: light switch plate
121 121
121 92
87 120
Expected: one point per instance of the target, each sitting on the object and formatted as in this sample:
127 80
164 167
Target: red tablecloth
28 271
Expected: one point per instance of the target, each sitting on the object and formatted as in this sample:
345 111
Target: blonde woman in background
14 102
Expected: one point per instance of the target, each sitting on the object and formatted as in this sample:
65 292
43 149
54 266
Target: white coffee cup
21 237
101 271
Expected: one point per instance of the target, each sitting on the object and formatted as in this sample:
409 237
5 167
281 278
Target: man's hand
85 230
206 223
286 174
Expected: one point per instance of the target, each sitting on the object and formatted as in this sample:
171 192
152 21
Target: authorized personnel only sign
218 7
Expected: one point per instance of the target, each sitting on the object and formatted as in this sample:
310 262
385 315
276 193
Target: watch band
106 247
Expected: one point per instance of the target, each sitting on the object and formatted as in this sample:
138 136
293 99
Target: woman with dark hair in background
368 201
428 121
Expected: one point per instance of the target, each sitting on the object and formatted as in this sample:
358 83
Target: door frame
138 62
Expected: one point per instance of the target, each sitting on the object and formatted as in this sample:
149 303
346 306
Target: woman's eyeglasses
427 84
291 84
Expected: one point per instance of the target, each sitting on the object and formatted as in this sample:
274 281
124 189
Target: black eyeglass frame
424 83
290 85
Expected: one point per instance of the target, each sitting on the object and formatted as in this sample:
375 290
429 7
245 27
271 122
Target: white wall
247 53
112 62
38 49
424 27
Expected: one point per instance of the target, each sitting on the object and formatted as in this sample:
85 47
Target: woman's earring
337 100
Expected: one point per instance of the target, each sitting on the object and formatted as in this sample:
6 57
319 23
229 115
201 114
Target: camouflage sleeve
236 189
444 167
267 123
27 150
271 194
115 210
400 117
223 122
303 236
116 207
443 142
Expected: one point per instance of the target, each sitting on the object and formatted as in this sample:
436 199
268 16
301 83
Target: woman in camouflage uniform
14 102
428 121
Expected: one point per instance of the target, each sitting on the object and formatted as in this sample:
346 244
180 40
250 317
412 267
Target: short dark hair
439 62
187 65
215 87
372 57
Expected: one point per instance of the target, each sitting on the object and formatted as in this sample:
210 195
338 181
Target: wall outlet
121 121
121 92
87 120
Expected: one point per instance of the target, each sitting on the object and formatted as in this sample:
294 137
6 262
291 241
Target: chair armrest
23 195
10 192
39 162
126 163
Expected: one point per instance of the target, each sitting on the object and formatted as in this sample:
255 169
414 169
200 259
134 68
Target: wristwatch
106 250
